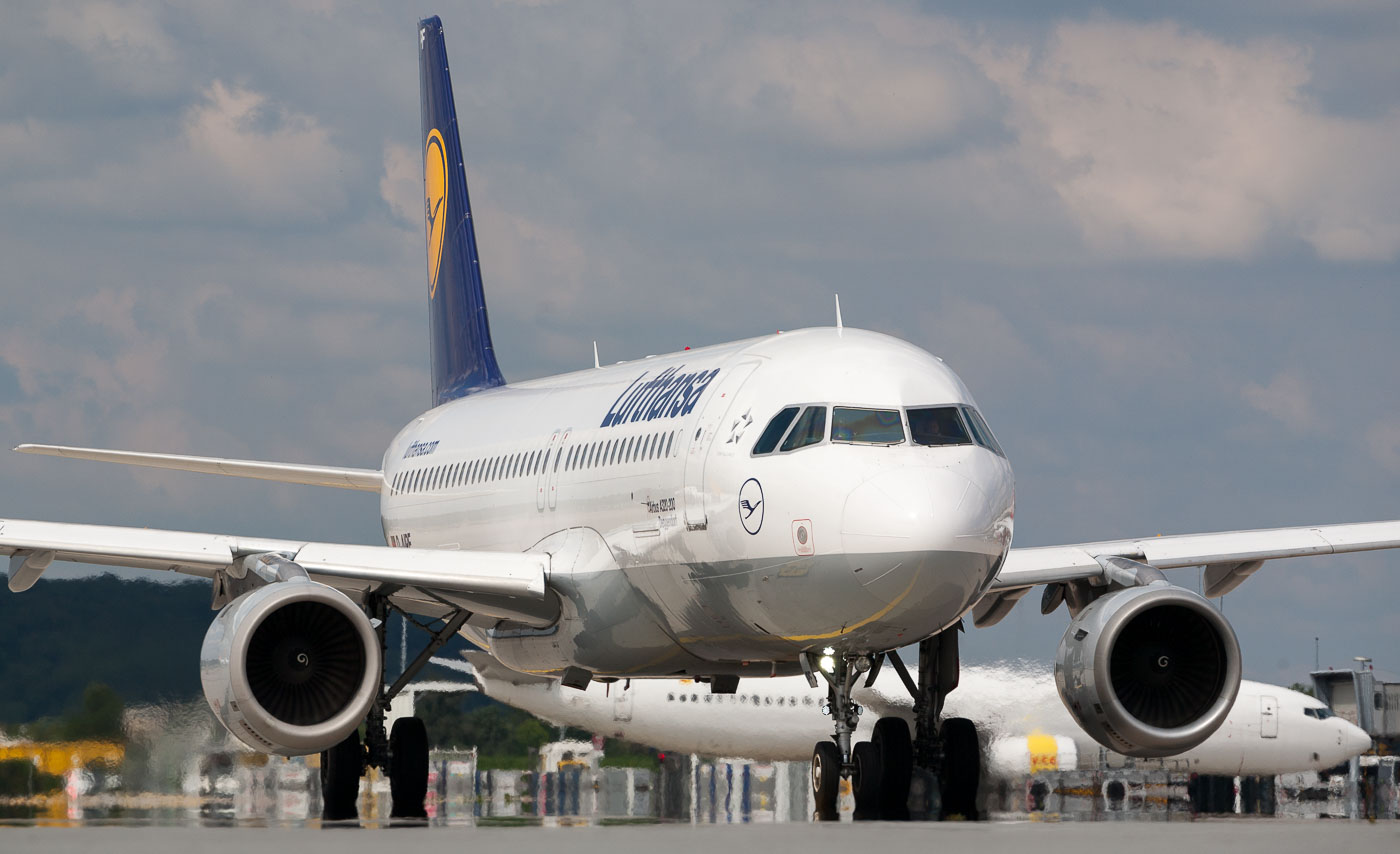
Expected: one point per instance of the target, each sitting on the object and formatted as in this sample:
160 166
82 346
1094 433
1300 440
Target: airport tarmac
1239 836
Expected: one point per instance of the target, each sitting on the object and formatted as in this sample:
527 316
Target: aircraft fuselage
676 548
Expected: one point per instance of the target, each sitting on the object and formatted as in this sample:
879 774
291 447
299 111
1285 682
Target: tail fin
460 336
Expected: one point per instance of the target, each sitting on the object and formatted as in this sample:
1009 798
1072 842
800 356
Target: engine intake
291 667
1149 671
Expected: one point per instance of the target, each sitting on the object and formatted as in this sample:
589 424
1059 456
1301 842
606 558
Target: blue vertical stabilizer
459 334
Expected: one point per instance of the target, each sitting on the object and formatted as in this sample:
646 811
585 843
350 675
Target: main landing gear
942 754
401 752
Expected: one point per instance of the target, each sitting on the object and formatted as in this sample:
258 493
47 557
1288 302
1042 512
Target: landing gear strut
832 760
945 752
943 755
402 753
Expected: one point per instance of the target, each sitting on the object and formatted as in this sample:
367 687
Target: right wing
367 480
1228 558
507 585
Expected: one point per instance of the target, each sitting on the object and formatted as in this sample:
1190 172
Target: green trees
97 718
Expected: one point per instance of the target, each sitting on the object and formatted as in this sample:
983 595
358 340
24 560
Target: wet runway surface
1239 836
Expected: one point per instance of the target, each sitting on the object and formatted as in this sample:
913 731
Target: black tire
962 769
866 780
341 769
408 768
826 780
896 748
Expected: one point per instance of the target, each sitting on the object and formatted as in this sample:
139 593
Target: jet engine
291 667
1149 671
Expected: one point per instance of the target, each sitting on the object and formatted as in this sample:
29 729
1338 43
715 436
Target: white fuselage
674 548
1267 731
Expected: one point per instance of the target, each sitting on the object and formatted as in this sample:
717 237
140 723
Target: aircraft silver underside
749 617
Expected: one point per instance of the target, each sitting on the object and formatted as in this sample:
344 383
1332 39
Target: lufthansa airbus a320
802 503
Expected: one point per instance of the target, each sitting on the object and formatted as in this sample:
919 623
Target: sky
1163 251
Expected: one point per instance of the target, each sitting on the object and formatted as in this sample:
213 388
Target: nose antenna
838 313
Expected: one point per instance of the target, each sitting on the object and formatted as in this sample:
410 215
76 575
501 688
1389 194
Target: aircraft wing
1228 557
459 577
367 480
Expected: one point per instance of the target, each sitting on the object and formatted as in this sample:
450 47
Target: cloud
401 185
1383 440
851 87
1287 399
235 157
1163 142
126 43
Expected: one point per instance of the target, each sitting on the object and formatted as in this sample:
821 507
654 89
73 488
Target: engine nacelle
1149 671
291 667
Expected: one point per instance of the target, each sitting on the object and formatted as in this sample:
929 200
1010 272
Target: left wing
511 585
365 480
1229 558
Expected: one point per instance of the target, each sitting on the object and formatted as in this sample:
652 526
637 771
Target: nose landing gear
832 760
943 753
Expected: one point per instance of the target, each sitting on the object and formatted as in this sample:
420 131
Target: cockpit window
866 426
938 425
810 429
1321 714
981 432
775 430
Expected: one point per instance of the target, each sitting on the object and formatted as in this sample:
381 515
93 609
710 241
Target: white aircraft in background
1269 730
801 503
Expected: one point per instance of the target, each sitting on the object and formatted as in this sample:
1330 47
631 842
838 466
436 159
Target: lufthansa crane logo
435 203
751 505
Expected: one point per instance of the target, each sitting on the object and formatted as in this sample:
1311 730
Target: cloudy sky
1164 252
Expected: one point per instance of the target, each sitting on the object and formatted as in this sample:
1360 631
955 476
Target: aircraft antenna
595 355
838 311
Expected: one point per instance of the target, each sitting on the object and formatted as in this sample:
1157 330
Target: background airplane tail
460 336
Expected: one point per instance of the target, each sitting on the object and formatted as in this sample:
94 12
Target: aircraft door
622 702
542 479
702 438
560 449
1268 717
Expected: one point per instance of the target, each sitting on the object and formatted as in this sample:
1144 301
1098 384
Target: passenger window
809 430
866 426
774 431
937 425
669 441
981 432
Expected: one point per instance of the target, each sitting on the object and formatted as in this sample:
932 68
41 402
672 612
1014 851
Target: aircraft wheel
891 739
962 769
866 780
826 780
408 768
341 769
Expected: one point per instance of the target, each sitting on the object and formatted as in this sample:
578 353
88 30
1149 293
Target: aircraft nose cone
1354 739
916 509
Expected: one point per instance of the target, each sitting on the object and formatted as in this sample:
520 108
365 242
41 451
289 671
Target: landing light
828 664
